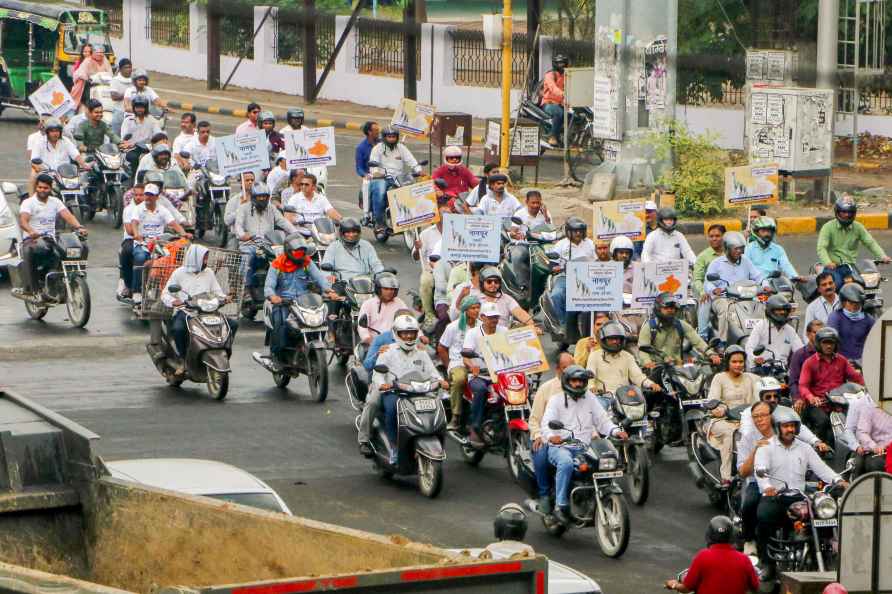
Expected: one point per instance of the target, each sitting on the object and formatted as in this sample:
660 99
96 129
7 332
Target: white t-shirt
53 156
152 223
119 85
43 214
147 92
429 238
128 216
452 340
506 208
310 209
585 249
33 140
277 180
202 153
529 221
182 141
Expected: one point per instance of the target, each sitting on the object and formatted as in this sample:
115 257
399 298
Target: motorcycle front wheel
221 231
281 380
472 455
430 476
115 206
612 531
35 312
516 445
217 383
78 303
318 375
638 475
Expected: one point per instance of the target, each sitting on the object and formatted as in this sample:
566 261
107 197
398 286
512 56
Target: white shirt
395 161
745 447
246 127
429 238
529 221
182 141
191 284
819 309
585 249
747 426
63 152
310 209
790 464
286 128
33 140
505 209
474 341
583 417
453 340
128 216
147 92
151 223
43 214
401 363
781 342
139 131
120 84
660 246
202 153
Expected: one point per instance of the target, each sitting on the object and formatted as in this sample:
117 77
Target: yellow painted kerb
324 122
874 220
730 224
796 225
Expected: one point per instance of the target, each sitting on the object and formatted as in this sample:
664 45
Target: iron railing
379 48
114 12
580 53
474 65
168 23
237 34
289 37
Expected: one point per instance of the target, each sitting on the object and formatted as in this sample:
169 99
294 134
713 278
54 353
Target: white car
561 579
200 477
10 235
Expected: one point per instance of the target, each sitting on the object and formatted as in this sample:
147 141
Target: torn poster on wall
656 65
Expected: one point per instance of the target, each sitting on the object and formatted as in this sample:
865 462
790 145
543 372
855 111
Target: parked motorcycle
307 352
628 408
421 421
210 204
209 345
394 182
268 248
527 266
744 311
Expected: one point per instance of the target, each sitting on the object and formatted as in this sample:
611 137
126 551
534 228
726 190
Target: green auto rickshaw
41 40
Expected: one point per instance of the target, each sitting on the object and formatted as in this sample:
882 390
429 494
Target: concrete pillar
444 58
265 42
828 40
344 63
198 45
425 82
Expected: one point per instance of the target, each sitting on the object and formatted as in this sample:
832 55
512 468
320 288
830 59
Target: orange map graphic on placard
319 149
671 285
58 98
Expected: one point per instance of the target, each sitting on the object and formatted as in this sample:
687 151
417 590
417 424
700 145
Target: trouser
542 468
249 263
749 506
480 388
868 462
34 253
177 328
442 313
721 436
839 273
703 310
562 459
125 263
770 515
458 379
389 401
133 156
720 306
378 196
426 289
557 118
559 298
369 412
278 336
819 422
138 260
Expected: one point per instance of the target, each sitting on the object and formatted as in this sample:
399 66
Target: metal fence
237 34
475 66
114 11
580 53
289 37
167 22
379 48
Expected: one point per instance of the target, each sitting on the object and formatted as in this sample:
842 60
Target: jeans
378 195
559 298
480 388
749 505
133 156
34 253
138 260
389 401
249 263
818 421
542 468
557 119
562 459
278 336
180 334
704 308
839 273
125 263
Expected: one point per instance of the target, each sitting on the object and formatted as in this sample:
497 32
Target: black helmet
612 330
347 225
827 333
575 372
734 349
845 205
390 131
559 61
140 100
294 113
667 213
720 530
511 523
575 224
260 195
295 242
664 299
852 292
386 280
778 302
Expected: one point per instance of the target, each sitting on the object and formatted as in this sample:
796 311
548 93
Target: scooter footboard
430 447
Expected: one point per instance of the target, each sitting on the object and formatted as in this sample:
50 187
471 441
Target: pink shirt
874 428
379 315
245 127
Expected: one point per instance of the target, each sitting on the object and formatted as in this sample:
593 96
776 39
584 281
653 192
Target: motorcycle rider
400 361
732 387
747 446
798 358
874 434
768 389
54 150
185 137
715 236
155 177
311 204
587 345
194 278
613 366
498 200
278 178
256 219
731 267
395 159
236 200
666 243
622 250
850 321
251 125
203 147
553 100
719 568
821 373
148 222
488 325
477 193
580 413
421 252
531 215
507 306
274 140
291 275
146 161
159 160
575 246
458 178
381 309
786 459
351 255
295 120
382 342
765 253
464 280
449 350
92 132
509 528
138 128
140 88
650 225
117 89
295 177
839 240
827 301
666 333
775 333
125 255
37 219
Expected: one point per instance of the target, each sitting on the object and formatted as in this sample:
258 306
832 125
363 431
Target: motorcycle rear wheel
217 383
318 375
78 304
638 476
36 312
430 476
281 380
471 455
614 537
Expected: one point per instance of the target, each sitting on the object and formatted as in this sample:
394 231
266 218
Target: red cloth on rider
284 264
458 179
720 569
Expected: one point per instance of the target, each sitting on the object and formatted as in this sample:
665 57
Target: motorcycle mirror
553 256
555 425
759 350
647 349
762 472
382 369
713 277
363 321
469 354
37 161
423 163
775 274
391 270
434 258
326 266
716 341
374 164
174 288
517 220
185 154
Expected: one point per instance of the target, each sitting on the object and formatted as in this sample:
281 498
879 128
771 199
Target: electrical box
451 128
525 148
790 126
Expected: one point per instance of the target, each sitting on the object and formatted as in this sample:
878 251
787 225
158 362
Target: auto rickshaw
41 40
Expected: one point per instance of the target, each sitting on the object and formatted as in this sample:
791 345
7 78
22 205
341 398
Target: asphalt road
102 378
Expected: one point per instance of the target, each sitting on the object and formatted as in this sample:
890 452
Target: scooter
704 459
209 345
744 312
527 265
393 182
421 421
307 353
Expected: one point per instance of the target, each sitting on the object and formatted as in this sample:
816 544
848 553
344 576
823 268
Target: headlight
692 386
208 305
748 292
871 280
825 506
73 252
218 180
313 317
421 387
606 463
70 183
516 396
635 412
111 161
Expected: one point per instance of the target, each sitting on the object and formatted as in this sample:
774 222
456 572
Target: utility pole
534 14
213 46
410 47
309 31
504 141
828 42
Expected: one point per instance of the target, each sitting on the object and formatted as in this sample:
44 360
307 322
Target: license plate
697 402
212 321
425 404
750 324
513 407
607 475
641 423
73 253
824 523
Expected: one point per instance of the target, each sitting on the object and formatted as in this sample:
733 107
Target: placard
517 350
413 206
472 238
413 117
654 278
751 184
242 153
309 147
594 286
52 98
620 217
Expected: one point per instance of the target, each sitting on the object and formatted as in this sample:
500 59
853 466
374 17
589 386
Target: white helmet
621 242
767 384
402 324
453 151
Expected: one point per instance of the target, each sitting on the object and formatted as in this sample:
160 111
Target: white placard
52 98
472 238
237 154
654 278
310 147
594 286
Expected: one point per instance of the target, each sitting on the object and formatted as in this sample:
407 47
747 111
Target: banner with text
413 117
472 238
751 184
654 278
413 206
517 350
242 153
309 147
594 286
620 217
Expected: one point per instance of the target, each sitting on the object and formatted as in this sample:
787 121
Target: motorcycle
209 345
527 266
307 324
865 273
68 187
584 143
394 182
176 188
744 312
596 497
59 279
322 233
628 408
106 183
772 367
704 459
212 195
421 420
268 248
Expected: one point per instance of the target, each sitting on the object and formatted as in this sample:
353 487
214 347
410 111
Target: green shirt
668 340
704 259
839 245
93 137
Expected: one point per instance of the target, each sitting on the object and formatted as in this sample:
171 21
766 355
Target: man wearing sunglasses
458 178
251 124
310 204
769 391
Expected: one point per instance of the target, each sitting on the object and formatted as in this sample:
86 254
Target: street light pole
504 143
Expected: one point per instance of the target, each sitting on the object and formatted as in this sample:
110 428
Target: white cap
152 189
650 205
490 310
